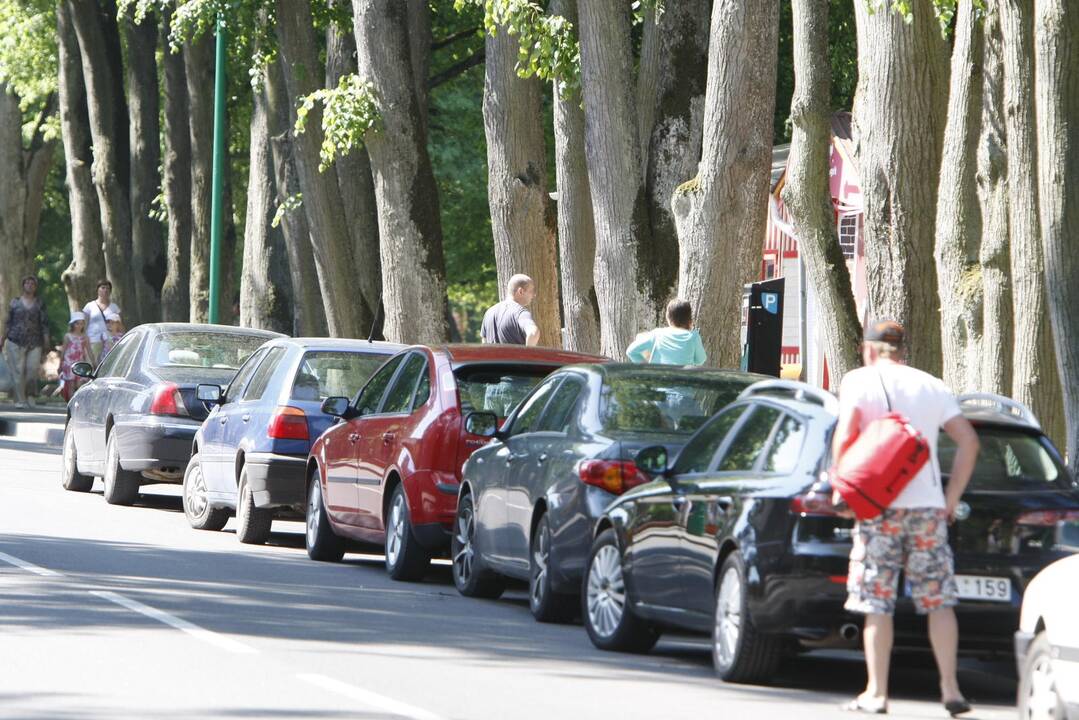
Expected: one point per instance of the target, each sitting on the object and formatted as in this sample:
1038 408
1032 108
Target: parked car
724 541
134 422
529 500
1047 644
250 455
390 471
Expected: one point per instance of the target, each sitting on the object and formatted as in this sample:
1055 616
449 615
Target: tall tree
721 214
413 265
1056 47
1034 373
807 195
522 219
176 179
199 75
899 115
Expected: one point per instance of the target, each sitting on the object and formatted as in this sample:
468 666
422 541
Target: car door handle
245 418
223 420
388 437
354 437
516 456
541 459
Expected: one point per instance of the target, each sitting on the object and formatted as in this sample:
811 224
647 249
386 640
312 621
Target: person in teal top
676 344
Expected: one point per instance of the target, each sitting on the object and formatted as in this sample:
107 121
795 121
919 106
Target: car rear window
648 403
1009 461
498 389
203 349
325 373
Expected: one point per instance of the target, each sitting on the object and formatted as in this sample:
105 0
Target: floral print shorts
911 541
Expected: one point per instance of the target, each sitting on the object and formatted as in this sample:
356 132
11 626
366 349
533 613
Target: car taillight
814 503
1047 518
288 423
168 401
614 476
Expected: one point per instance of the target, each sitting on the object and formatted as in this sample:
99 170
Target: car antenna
379 311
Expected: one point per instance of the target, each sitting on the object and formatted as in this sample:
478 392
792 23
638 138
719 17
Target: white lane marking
29 567
207 636
370 698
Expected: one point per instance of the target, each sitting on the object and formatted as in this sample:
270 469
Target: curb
41 427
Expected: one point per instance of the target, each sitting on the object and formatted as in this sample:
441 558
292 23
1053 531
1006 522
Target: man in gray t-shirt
510 322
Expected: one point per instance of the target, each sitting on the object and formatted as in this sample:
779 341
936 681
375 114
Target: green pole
218 185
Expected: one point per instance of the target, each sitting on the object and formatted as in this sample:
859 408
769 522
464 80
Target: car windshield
498 389
324 374
203 349
1009 460
672 403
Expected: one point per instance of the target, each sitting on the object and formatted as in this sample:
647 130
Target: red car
388 472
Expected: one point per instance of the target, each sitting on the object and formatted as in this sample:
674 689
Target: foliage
291 204
943 9
350 110
28 64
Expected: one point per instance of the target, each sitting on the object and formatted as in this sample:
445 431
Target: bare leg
944 636
878 636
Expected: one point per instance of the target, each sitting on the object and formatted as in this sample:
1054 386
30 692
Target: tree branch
36 139
453 71
450 39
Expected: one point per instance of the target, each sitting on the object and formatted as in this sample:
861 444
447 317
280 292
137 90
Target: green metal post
218 187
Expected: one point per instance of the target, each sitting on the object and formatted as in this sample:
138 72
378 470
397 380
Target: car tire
546 604
608 616
70 476
121 486
470 576
1038 693
200 514
252 523
406 559
740 653
322 542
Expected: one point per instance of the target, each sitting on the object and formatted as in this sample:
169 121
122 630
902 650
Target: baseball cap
888 331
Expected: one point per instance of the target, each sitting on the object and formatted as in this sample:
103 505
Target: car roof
460 354
205 327
317 343
675 371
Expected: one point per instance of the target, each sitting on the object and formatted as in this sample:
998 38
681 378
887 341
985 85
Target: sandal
957 707
856 705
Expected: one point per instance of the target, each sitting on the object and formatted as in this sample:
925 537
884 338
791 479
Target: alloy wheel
195 492
1041 700
606 592
397 529
541 554
728 627
462 559
314 507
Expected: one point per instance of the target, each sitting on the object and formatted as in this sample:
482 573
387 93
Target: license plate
978 587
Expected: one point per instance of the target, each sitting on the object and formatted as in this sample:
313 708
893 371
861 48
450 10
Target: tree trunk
413 265
420 37
322 201
959 220
147 244
199 74
576 229
1035 381
899 116
356 184
613 150
721 214
265 286
176 181
87 261
1056 45
522 219
807 195
994 257
95 26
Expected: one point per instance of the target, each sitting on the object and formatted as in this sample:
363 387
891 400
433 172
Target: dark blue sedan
250 454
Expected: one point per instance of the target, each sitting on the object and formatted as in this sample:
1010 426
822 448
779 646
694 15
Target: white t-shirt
923 399
95 320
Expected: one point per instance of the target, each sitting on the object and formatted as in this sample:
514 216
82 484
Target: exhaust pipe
849 632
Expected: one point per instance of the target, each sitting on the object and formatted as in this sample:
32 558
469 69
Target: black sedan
529 500
728 541
134 423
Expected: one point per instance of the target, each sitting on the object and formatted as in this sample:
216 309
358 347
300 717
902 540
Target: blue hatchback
250 454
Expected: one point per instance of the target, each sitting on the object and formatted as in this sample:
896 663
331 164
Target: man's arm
638 350
966 441
532 335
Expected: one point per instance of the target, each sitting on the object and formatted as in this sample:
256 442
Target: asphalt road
110 612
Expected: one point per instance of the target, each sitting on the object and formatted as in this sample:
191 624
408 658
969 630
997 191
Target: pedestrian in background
26 332
76 349
510 321
95 316
677 344
911 536
114 326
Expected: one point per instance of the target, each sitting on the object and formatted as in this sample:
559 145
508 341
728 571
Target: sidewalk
41 425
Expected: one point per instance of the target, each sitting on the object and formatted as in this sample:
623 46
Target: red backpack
879 463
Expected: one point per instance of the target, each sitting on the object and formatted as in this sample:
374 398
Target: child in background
76 349
676 344
114 325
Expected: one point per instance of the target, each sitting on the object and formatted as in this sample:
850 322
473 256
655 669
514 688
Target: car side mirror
336 406
484 424
83 370
653 461
208 393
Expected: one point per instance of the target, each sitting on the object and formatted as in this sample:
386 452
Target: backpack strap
887 400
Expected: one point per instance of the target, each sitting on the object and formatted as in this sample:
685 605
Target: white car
1047 644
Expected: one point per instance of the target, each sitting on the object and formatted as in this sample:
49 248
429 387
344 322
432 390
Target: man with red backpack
910 536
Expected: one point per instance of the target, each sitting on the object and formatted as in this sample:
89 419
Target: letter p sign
770 302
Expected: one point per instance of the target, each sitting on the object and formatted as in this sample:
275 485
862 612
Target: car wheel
739 652
469 575
322 542
608 616
70 477
252 523
121 486
1039 698
197 509
546 604
406 559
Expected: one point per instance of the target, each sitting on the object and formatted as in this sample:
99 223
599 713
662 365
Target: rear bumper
153 443
433 536
276 480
